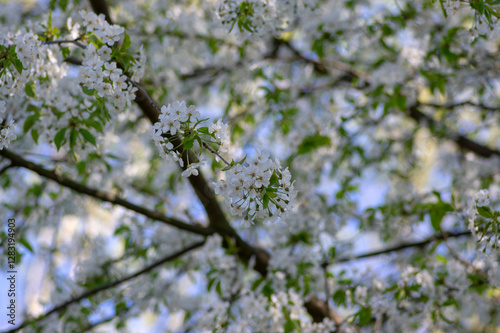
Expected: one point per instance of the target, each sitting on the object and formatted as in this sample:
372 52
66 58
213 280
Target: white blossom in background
482 198
110 34
451 6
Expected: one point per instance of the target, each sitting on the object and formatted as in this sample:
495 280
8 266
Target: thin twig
64 41
216 153
403 246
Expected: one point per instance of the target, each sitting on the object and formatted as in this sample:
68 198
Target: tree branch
109 285
101 195
461 140
404 246
469 103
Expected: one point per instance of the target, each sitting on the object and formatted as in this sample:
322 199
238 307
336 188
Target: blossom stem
216 153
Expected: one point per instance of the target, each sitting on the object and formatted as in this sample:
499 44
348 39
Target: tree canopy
250 166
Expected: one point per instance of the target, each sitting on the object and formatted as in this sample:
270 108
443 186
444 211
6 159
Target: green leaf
437 212
441 258
35 135
65 52
30 89
257 282
274 179
88 136
317 47
265 201
63 4
302 237
30 121
32 108
126 43
73 135
25 243
364 316
188 142
212 44
203 130
81 166
289 326
18 64
442 8
58 139
313 142
85 311
218 288
95 124
339 297
401 102
270 193
486 212
87 91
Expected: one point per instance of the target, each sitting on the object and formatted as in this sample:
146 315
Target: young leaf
88 136
27 245
30 89
73 135
58 139
485 211
313 142
35 135
126 42
30 121
265 200
437 212
274 179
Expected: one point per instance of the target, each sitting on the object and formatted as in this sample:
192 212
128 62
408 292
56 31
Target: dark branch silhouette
18 161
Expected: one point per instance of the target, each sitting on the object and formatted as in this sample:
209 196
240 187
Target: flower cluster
260 188
173 122
261 17
98 71
27 46
105 77
179 123
98 25
484 221
221 134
